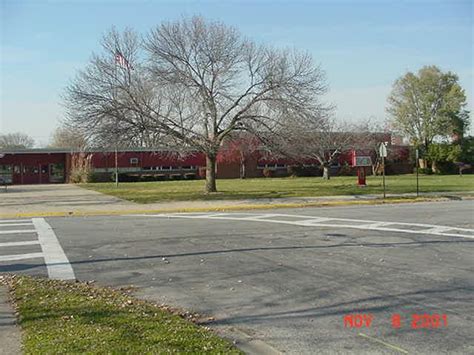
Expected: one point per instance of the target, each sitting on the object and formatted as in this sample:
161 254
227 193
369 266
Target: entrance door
56 172
6 174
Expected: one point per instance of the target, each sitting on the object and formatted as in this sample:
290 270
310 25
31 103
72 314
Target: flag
121 60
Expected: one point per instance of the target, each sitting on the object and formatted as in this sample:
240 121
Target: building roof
89 150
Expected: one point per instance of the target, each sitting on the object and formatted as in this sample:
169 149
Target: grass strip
238 189
59 317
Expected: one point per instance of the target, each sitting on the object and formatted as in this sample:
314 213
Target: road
291 279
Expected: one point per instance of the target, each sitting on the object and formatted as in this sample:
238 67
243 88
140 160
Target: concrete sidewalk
10 336
63 200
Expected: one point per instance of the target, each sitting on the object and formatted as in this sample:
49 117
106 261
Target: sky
363 46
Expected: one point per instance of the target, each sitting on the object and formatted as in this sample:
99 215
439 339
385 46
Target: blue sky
363 46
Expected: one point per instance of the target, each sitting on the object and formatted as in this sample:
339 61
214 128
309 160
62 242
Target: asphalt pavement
361 279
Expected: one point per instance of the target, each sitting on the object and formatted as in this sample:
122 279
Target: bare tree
240 148
191 84
68 137
16 140
320 137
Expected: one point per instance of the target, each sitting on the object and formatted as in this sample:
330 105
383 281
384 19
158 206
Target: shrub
426 171
268 172
300 170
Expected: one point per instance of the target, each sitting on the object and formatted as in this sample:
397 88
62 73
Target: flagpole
116 168
115 136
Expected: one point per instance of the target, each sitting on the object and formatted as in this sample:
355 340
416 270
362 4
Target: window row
169 168
271 166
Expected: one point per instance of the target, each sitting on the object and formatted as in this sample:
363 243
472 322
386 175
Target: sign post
417 157
383 154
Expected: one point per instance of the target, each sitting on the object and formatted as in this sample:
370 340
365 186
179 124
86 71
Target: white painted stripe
335 222
262 216
56 260
401 224
312 221
15 224
14 244
20 256
18 231
14 220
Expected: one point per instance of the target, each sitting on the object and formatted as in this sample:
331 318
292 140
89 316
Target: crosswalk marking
56 260
57 263
15 244
20 256
316 221
14 224
18 231
2 221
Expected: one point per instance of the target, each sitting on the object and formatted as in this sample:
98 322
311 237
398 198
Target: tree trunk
242 168
326 172
422 163
211 173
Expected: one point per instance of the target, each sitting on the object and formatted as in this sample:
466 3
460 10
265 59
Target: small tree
240 148
319 137
16 141
81 168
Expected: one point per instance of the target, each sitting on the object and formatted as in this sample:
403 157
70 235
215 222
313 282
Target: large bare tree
191 83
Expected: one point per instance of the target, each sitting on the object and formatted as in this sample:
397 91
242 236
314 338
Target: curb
337 203
10 334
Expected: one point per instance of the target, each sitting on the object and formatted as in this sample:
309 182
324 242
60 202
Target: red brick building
45 166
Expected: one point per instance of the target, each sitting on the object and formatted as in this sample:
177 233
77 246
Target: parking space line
20 256
15 244
55 259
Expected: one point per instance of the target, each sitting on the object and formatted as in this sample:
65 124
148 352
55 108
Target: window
134 161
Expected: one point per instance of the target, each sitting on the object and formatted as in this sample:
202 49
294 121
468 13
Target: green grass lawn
65 317
234 189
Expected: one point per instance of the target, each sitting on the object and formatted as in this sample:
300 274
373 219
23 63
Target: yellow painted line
217 208
394 347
